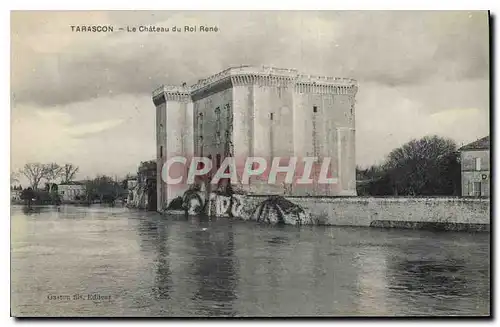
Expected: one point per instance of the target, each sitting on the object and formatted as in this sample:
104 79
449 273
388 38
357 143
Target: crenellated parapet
261 80
261 76
245 75
325 84
171 93
325 88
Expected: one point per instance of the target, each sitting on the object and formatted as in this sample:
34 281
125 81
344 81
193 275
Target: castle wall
263 112
177 142
188 135
274 118
324 128
451 213
211 122
310 132
174 131
243 121
161 144
344 120
273 135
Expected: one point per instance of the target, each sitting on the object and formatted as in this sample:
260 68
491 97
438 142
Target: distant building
475 162
260 112
71 191
15 194
131 183
142 189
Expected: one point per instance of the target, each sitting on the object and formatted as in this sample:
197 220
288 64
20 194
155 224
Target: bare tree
68 173
52 172
14 178
34 172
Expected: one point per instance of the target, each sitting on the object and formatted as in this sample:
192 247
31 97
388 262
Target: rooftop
73 183
481 144
242 70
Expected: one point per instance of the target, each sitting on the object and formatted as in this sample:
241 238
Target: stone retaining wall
362 211
446 213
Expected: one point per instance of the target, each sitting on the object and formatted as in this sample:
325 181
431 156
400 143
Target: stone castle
252 111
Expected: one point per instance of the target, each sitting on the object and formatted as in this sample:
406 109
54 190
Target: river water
97 261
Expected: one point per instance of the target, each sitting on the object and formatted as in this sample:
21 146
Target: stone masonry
268 112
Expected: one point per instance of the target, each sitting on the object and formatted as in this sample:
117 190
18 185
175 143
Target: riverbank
435 213
431 213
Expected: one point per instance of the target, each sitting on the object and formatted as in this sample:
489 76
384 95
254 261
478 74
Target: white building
71 191
475 164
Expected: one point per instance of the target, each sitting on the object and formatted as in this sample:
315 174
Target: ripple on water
152 265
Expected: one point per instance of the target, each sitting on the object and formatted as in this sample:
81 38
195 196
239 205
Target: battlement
264 75
340 81
171 89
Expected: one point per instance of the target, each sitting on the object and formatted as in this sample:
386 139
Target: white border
195 5
256 5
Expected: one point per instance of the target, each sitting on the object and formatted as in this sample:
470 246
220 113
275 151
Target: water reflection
27 210
277 240
148 231
450 280
372 282
154 238
153 265
432 277
214 269
163 278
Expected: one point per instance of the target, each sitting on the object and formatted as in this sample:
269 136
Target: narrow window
271 116
200 145
478 163
476 188
217 138
217 161
217 118
161 151
200 123
315 109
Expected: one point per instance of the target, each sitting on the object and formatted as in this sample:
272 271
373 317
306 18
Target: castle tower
324 127
261 112
174 135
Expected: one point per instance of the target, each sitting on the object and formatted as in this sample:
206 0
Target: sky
85 98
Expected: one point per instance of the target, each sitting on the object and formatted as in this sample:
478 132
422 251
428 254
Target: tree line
36 172
102 188
422 167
